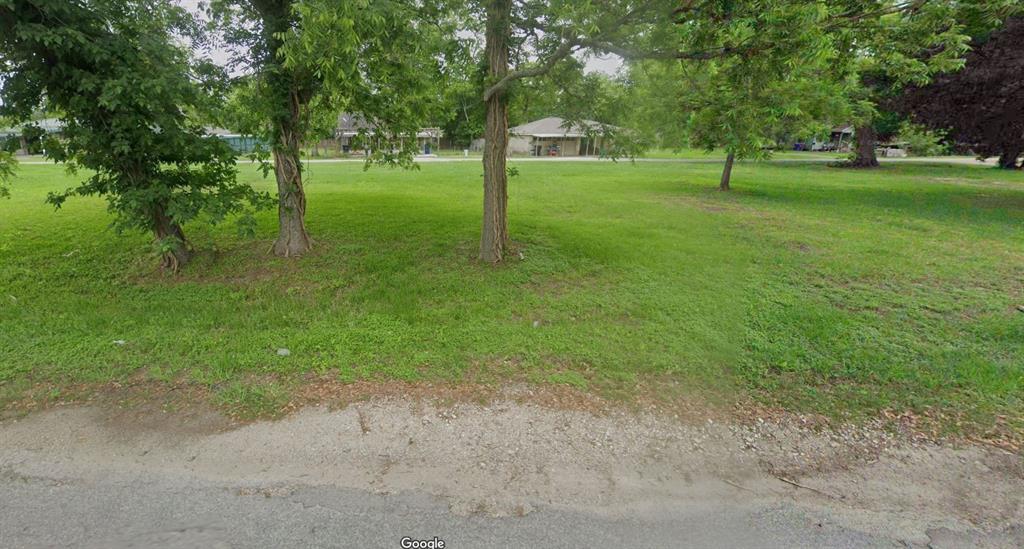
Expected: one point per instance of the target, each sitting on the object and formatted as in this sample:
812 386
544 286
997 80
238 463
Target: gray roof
350 125
554 126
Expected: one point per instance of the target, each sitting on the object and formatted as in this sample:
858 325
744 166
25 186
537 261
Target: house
350 126
555 136
239 142
839 139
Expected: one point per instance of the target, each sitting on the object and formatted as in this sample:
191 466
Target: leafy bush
921 141
7 164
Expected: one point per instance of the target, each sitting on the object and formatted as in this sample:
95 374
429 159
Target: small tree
304 60
114 71
756 69
741 111
7 164
982 105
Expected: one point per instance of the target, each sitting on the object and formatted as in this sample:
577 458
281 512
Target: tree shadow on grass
931 194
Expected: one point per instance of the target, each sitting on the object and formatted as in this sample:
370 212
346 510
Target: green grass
808 287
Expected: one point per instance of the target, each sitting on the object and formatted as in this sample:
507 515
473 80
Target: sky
609 64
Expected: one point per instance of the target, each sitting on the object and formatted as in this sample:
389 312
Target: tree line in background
134 86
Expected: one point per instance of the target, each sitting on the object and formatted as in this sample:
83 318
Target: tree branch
566 48
560 53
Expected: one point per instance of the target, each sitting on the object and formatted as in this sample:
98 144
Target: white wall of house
528 145
519 145
567 146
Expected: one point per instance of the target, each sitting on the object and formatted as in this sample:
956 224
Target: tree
461 113
7 165
780 41
114 71
527 40
908 44
767 68
656 94
305 59
742 107
983 104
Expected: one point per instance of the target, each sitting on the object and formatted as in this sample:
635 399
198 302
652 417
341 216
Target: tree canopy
124 89
307 60
983 104
753 69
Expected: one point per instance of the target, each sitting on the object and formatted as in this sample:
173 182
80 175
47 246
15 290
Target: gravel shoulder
511 461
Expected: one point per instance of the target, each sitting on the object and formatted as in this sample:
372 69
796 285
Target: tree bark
175 251
291 93
1008 159
866 140
494 236
292 238
726 172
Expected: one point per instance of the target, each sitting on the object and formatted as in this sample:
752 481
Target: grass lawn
808 287
719 155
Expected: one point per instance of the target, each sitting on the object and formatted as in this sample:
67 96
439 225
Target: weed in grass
247 400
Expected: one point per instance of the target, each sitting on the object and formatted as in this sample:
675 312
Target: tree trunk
494 236
174 249
1008 160
292 238
727 172
866 141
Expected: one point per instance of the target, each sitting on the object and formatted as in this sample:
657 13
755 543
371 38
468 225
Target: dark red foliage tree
982 105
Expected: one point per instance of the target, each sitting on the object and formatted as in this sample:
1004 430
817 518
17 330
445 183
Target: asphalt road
174 511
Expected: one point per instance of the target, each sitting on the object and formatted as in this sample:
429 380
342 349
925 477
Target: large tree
900 44
983 104
302 60
124 88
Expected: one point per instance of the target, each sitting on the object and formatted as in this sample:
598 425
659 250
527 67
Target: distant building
840 139
15 138
350 126
239 142
555 136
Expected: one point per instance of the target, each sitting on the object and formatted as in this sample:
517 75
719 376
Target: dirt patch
135 405
186 407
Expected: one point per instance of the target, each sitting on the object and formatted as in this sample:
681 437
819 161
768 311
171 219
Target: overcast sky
608 65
